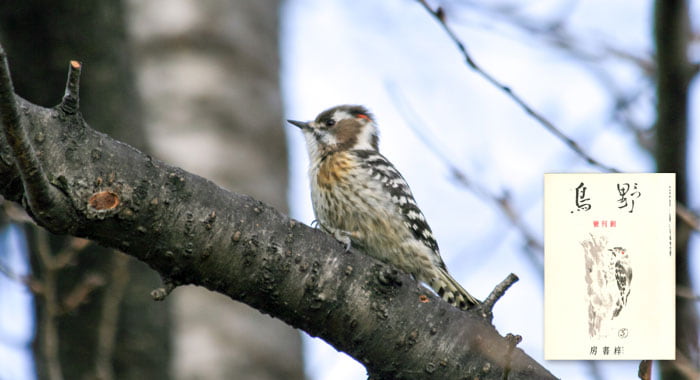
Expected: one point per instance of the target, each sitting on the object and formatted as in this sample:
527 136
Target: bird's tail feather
450 290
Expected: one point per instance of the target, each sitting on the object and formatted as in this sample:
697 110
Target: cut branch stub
71 99
104 200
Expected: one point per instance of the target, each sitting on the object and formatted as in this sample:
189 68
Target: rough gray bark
109 333
674 73
194 232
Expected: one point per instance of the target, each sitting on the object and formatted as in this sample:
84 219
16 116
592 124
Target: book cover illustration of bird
609 266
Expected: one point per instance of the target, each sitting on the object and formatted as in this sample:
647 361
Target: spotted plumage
360 198
395 185
620 265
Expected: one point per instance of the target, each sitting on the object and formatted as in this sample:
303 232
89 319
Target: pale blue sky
16 308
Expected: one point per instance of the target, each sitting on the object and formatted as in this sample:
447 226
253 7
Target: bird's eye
330 123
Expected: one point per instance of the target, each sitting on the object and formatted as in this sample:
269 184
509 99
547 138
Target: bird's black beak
300 124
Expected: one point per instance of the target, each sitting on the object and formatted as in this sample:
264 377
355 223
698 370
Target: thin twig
49 340
65 256
80 292
685 366
687 293
10 273
558 36
15 213
107 329
573 145
496 294
690 218
36 185
36 287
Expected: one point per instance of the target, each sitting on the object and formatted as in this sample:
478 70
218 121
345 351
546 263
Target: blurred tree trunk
209 72
117 332
672 35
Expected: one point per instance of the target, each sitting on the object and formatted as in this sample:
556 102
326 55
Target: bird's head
346 127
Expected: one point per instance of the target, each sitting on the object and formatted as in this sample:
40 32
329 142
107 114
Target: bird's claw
344 238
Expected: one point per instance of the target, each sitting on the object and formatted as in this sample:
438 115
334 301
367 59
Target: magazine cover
609 266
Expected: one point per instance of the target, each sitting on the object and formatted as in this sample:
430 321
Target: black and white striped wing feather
383 171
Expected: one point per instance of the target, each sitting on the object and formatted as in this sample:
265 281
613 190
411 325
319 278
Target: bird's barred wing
383 171
623 275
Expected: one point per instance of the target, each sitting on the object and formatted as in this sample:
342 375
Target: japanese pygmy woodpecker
361 199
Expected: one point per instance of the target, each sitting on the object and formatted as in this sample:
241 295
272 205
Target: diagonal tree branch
194 232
